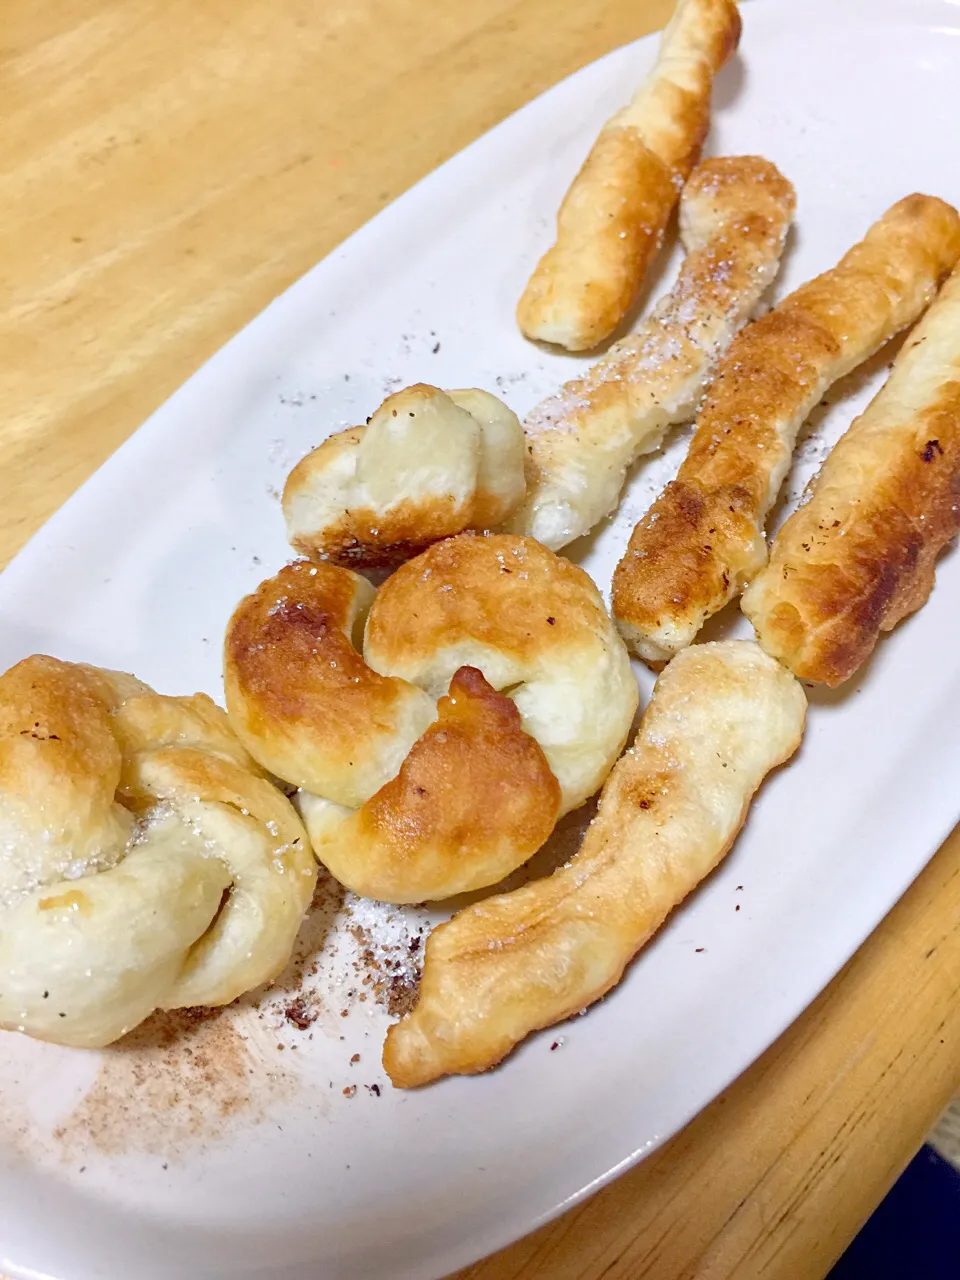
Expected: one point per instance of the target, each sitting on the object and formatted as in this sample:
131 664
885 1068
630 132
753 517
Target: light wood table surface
168 166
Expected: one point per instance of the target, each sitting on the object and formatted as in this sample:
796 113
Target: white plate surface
248 1160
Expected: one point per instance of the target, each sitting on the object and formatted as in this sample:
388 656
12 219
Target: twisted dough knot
407 798
428 464
145 860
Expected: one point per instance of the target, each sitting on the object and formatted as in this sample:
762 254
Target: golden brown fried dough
860 554
722 716
474 797
612 219
734 217
703 539
405 799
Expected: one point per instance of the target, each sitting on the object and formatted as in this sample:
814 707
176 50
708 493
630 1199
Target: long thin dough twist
612 219
703 539
734 217
860 554
722 716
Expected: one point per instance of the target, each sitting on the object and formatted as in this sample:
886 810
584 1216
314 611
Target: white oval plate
219 1155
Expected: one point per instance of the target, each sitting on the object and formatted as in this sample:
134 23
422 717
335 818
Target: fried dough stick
722 716
612 219
734 216
703 539
860 555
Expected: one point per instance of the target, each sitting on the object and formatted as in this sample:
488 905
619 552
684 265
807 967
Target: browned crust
544 602
860 554
671 566
75 735
609 227
474 777
56 742
703 537
366 539
317 714
612 219
721 717
298 693
474 799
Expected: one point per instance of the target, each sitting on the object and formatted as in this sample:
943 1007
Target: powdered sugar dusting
389 942
638 360
351 952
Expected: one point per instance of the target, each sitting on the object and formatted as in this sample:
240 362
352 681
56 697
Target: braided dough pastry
145 861
722 716
734 217
427 465
860 554
405 799
703 539
612 219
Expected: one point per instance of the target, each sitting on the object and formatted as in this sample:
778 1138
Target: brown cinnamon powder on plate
173 1082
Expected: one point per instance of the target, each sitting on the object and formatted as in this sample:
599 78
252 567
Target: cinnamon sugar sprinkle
351 952
180 1079
183 1079
177 1080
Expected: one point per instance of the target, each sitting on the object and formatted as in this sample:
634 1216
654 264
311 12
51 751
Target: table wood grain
168 167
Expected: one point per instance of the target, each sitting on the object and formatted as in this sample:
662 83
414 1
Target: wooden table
168 167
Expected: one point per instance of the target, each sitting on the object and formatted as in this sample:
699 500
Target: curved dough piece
300 696
428 464
734 216
612 219
474 797
722 716
703 538
859 555
535 624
